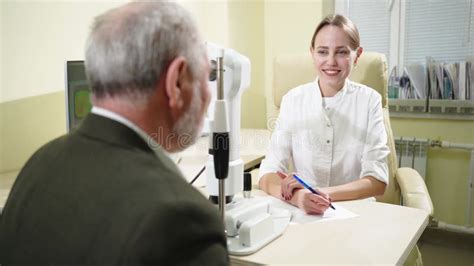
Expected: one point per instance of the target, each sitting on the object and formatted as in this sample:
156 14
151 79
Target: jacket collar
108 130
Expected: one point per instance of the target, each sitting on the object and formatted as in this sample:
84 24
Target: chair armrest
413 190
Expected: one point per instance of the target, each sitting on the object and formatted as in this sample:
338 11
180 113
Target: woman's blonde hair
342 22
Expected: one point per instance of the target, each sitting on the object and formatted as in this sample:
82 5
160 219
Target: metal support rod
222 198
220 78
220 96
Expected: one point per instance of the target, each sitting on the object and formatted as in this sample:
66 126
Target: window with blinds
372 18
443 30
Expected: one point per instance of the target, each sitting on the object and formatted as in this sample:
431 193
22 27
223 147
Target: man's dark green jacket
101 196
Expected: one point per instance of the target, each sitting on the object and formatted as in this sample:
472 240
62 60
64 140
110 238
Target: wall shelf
432 109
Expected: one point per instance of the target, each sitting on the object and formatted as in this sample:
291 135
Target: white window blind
441 29
372 18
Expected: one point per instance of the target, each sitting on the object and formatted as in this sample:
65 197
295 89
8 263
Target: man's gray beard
188 127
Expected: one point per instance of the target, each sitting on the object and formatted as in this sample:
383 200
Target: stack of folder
435 80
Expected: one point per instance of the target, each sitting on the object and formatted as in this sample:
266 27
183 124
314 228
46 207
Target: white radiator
412 152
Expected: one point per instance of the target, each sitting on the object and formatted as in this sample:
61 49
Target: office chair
406 187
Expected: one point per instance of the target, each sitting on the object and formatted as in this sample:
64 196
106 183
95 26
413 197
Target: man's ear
174 81
358 53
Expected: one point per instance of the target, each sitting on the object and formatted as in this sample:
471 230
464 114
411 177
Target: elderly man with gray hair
107 193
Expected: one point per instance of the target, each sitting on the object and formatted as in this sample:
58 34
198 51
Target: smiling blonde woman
331 130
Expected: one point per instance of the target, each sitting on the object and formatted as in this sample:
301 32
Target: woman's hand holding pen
288 185
293 192
309 202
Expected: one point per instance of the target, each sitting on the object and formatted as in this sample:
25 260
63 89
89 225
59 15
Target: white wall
1 51
289 26
38 37
2 140
212 19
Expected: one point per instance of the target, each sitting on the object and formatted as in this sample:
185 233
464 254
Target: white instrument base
258 230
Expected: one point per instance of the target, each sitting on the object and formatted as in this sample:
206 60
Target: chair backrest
292 70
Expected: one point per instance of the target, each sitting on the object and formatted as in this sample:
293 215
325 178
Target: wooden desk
381 234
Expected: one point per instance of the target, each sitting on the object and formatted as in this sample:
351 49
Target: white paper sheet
300 217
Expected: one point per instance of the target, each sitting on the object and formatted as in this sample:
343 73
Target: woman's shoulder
364 90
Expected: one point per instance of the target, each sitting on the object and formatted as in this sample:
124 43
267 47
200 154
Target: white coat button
328 141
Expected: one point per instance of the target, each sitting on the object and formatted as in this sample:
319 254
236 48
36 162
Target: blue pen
309 188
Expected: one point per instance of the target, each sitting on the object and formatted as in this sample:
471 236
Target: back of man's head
130 47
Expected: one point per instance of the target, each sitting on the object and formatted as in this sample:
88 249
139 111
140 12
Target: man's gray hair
130 47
